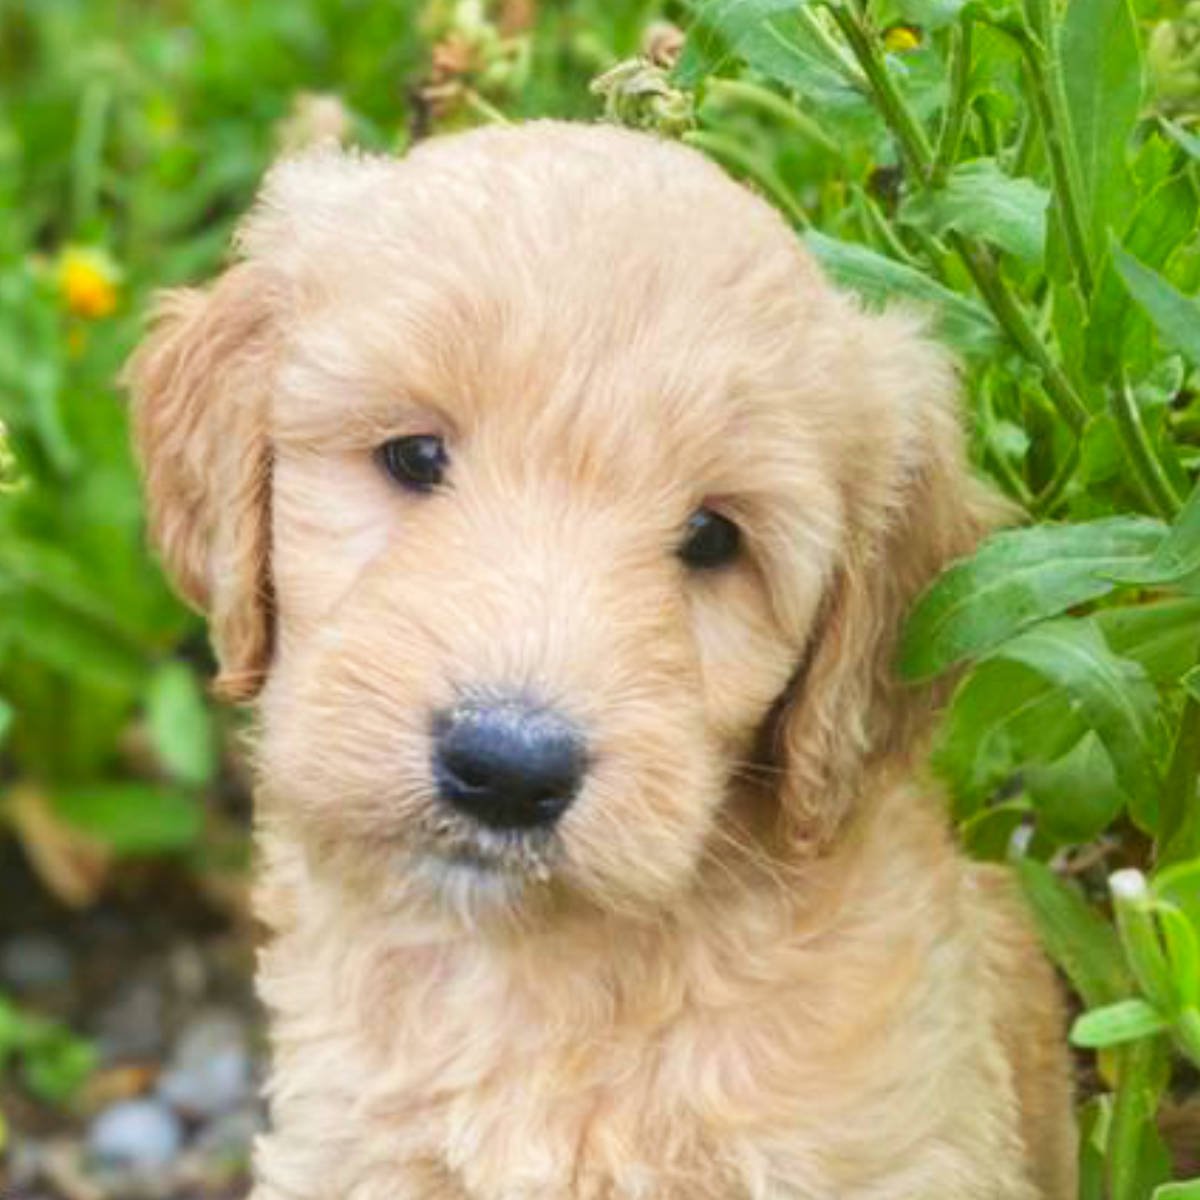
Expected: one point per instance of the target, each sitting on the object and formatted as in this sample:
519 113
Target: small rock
23 1163
210 1069
144 1134
230 1136
131 1028
32 961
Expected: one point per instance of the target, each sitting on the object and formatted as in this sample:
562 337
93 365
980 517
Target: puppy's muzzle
509 764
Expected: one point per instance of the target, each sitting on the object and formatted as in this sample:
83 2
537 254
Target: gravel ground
157 978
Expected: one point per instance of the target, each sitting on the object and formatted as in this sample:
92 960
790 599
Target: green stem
875 223
1012 481
482 108
1049 102
735 155
914 144
1047 500
87 155
1187 1033
1022 152
1180 828
950 137
1130 1115
1157 489
978 259
1020 329
837 57
1140 940
753 95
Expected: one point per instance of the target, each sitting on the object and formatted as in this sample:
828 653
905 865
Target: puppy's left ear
911 507
199 385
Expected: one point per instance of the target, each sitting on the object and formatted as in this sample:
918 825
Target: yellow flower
901 38
87 282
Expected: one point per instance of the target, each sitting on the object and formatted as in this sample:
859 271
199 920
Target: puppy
560 518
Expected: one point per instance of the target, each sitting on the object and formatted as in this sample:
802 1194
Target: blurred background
132 136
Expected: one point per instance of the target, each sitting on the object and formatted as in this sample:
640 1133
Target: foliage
1026 171
53 1061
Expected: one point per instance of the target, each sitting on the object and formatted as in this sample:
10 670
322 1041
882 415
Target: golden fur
750 963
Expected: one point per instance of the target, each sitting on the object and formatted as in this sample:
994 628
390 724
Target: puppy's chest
499 1089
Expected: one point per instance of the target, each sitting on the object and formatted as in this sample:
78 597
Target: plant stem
1022 151
1017 324
735 155
767 101
838 59
1049 102
1157 489
977 258
875 223
1130 1115
1047 500
1180 829
482 108
914 144
1133 908
955 118
1187 1033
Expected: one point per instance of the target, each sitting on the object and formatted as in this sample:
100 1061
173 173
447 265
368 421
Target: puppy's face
547 492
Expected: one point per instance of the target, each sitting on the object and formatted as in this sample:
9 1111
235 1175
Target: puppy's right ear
200 386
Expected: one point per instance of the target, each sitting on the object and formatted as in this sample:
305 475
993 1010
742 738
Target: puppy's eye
418 462
709 540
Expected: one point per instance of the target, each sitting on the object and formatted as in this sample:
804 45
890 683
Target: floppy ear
199 389
911 507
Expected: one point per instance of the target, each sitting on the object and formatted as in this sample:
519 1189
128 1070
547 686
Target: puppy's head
543 492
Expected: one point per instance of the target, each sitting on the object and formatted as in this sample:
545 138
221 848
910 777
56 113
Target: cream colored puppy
560 519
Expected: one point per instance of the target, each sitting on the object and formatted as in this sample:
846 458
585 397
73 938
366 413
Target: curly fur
749 963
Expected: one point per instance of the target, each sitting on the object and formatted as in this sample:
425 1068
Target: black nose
507 763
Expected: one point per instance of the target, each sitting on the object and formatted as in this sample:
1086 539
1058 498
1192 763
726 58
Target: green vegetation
1025 170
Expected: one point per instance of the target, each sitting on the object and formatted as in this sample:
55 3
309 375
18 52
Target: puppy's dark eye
709 540
418 462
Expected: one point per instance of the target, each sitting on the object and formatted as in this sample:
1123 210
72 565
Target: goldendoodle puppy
560 517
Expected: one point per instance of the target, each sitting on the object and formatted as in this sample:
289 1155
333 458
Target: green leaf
962 323
1183 952
180 724
1191 682
935 14
1162 220
1002 716
1174 315
1184 1190
56 1063
1113 695
1076 796
1124 1021
1180 885
1075 936
132 818
771 37
6 718
1102 80
1161 636
981 201
1015 579
1188 142
71 643
1177 555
